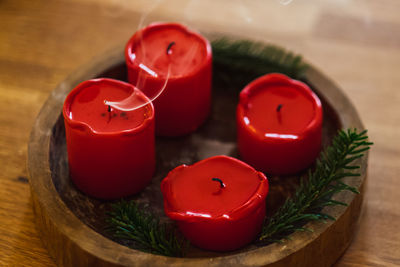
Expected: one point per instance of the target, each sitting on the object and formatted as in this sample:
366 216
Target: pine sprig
236 63
241 61
334 164
130 222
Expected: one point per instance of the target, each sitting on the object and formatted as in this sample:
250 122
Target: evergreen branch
129 222
236 63
239 62
323 182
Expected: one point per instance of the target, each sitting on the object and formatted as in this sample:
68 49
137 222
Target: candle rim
86 127
279 78
247 207
132 41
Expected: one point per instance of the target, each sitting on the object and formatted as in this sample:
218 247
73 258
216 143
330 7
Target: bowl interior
216 137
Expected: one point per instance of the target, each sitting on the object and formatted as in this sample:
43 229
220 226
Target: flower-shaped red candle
169 54
110 152
218 203
279 124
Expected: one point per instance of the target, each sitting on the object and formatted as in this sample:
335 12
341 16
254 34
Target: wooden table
356 43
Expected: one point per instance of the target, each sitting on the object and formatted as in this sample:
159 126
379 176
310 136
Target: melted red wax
186 54
88 107
295 114
195 193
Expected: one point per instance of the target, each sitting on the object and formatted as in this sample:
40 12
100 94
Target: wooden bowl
72 225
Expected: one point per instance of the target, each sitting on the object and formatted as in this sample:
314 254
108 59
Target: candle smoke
133 102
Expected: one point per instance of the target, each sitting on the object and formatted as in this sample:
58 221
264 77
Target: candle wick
169 47
278 108
220 182
109 113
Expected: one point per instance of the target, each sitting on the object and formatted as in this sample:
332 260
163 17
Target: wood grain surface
356 43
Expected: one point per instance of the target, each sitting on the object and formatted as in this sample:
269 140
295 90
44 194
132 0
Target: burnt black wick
220 181
171 44
109 113
278 108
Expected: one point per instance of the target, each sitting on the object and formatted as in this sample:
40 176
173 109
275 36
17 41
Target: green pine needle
238 62
235 64
323 183
129 222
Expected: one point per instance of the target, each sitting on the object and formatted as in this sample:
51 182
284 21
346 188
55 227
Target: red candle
170 55
110 152
279 124
218 203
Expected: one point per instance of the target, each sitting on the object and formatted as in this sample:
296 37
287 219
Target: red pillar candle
218 203
170 51
279 124
110 152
